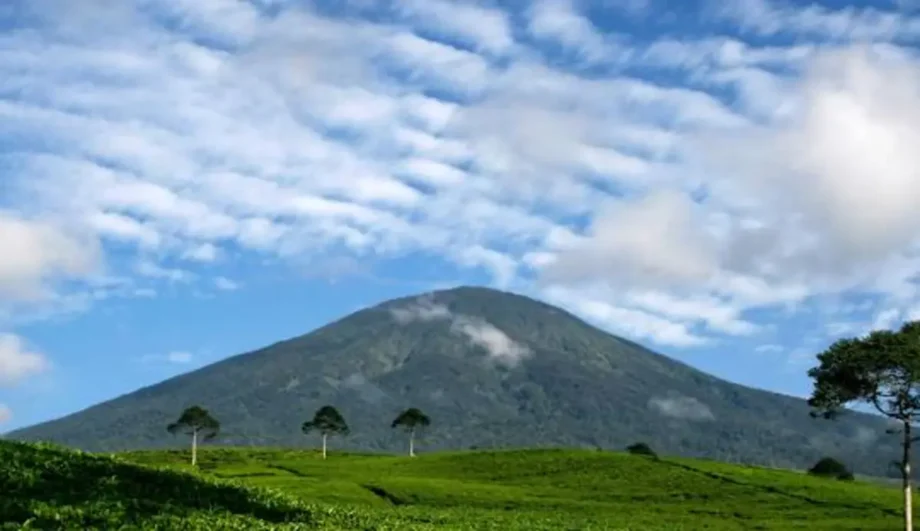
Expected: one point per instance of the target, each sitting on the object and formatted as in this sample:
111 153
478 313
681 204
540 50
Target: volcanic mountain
491 369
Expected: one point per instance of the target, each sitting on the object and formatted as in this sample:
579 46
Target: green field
52 488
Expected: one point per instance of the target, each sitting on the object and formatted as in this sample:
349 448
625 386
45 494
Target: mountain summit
491 369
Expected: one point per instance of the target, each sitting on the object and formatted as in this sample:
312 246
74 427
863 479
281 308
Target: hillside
492 369
506 490
49 488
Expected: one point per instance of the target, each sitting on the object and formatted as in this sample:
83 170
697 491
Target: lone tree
197 422
411 420
328 421
881 369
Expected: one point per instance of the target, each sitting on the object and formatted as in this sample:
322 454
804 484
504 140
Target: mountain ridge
493 369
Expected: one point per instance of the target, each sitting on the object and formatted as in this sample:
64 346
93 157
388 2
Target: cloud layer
673 190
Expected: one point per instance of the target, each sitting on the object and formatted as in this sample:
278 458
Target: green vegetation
579 387
49 488
881 369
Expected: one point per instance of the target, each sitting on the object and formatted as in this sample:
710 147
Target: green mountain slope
492 369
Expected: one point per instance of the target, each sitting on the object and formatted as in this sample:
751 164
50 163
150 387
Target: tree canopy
197 421
328 421
411 419
881 369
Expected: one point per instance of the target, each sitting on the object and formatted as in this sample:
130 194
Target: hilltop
508 490
492 369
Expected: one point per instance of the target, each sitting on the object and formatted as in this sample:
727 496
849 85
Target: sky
734 184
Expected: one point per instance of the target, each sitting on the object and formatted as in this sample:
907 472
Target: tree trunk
412 443
905 477
324 445
194 447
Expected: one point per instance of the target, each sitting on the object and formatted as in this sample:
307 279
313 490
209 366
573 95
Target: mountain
491 369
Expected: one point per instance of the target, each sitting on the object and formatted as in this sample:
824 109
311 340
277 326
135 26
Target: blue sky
733 184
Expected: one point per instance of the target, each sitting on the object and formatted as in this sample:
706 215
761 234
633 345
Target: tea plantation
46 487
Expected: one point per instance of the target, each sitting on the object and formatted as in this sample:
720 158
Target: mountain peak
491 368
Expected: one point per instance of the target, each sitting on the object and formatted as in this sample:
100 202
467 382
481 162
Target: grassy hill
448 353
50 488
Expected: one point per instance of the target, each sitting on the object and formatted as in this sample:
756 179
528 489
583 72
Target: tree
411 420
831 468
641 448
197 422
328 421
881 369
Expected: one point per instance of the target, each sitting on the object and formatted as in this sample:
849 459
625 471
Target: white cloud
125 228
34 253
179 357
656 241
150 269
486 335
484 28
17 362
498 345
628 322
225 133
436 62
848 153
225 284
558 20
681 407
6 414
766 17
768 348
176 357
205 252
422 309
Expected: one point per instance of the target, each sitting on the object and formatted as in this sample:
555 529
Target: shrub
829 467
640 448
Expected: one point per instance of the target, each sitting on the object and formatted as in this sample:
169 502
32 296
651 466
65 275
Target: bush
641 448
829 467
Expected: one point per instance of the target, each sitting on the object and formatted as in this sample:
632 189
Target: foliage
328 421
640 448
196 419
882 370
45 487
830 467
411 419
371 366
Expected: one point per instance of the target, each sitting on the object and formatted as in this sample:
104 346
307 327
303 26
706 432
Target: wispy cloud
681 407
175 357
225 284
476 330
17 361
